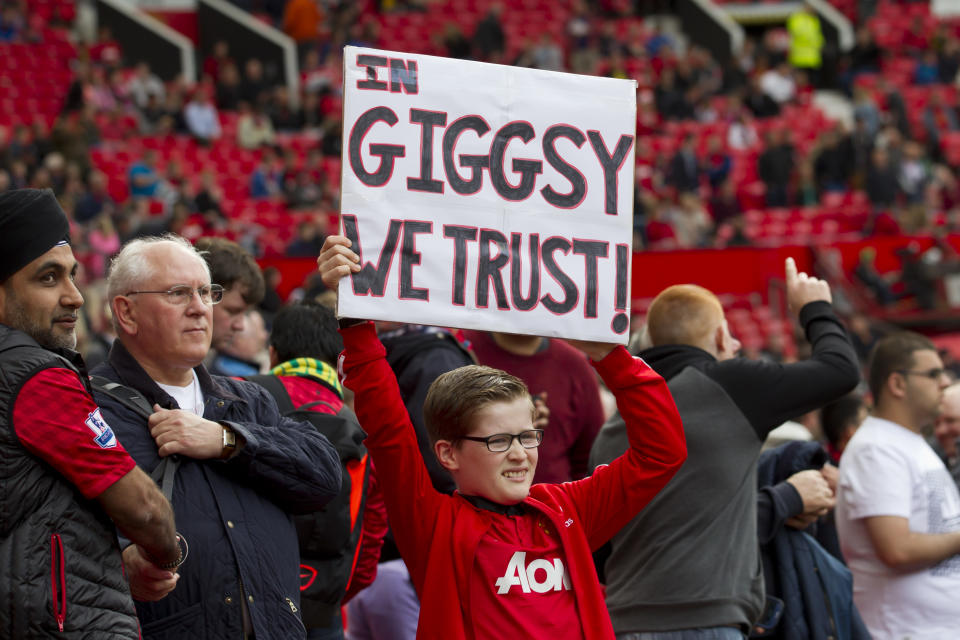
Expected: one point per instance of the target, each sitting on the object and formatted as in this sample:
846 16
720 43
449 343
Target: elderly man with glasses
235 468
898 509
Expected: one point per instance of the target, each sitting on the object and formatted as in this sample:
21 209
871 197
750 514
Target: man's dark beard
44 335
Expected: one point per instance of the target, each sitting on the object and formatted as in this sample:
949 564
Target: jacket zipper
58 580
295 612
826 601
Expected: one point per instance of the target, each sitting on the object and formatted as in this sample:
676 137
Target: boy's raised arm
408 492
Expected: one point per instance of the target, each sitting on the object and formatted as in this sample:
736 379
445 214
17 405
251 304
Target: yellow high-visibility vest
806 40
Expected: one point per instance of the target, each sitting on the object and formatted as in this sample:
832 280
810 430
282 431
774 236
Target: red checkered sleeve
58 421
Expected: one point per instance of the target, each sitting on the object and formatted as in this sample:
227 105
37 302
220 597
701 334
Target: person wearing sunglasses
898 508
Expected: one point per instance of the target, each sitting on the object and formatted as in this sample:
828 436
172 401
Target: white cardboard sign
487 197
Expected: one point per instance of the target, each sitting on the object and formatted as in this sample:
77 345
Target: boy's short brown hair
455 397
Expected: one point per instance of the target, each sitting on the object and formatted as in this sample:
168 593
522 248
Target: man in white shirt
778 83
201 117
898 510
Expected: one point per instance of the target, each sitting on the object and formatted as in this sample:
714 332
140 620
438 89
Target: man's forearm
143 515
156 532
920 550
900 548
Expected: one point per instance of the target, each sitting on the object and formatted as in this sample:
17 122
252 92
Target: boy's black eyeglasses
182 294
500 442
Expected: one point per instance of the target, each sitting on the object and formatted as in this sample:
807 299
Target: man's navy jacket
235 514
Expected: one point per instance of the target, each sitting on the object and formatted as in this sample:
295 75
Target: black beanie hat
31 223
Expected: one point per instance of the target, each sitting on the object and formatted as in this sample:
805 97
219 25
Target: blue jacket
235 514
816 588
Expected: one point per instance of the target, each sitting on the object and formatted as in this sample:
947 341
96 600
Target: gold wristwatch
229 442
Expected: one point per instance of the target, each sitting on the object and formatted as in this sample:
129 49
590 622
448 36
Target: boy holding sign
500 558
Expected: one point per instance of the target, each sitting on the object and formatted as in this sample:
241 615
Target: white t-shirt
189 398
887 470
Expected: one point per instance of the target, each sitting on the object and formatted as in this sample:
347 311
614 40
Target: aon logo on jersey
540 576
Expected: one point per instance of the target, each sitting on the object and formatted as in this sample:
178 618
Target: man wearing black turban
63 474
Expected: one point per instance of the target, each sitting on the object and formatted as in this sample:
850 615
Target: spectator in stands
896 107
866 272
938 118
671 99
151 117
865 55
797 493
67 479
145 84
724 204
304 345
303 192
489 39
237 272
283 114
201 117
105 51
547 54
265 179
840 420
916 39
865 109
806 41
96 200
948 61
697 541
454 42
388 609
172 118
104 243
779 83
98 94
308 241
209 198
898 508
775 166
242 469
690 221
254 87
806 192
246 355
946 432
758 102
833 163
658 41
302 21
914 173
717 163
229 87
926 71
145 181
12 23
254 128
658 231
218 59
741 134
332 141
684 171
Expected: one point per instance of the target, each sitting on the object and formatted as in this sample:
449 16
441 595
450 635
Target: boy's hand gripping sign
487 197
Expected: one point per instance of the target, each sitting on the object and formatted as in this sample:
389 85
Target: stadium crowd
720 492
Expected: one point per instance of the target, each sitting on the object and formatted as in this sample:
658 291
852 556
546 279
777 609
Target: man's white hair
131 267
